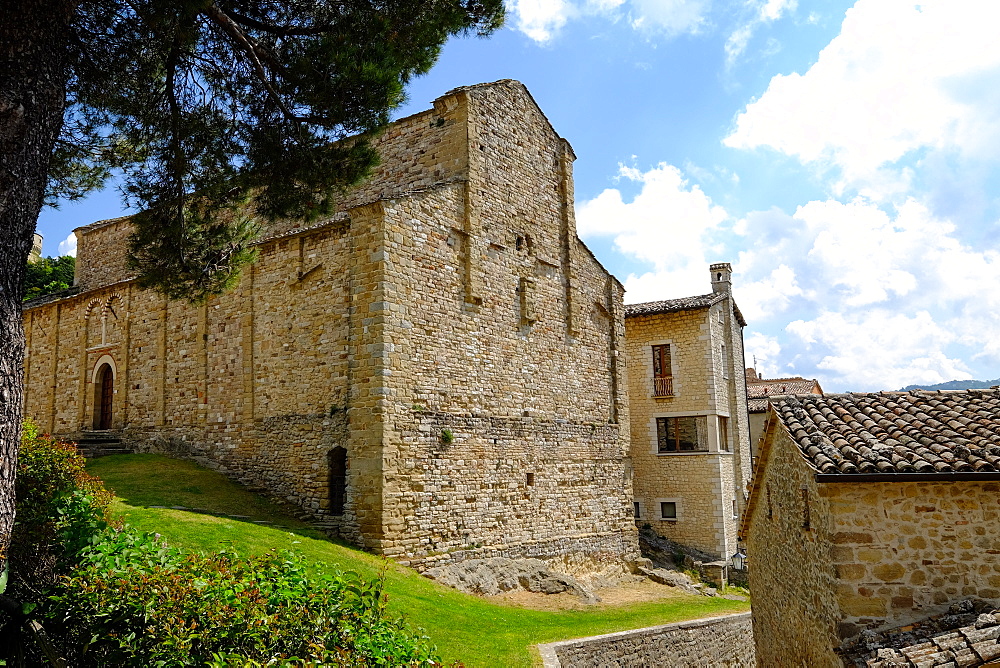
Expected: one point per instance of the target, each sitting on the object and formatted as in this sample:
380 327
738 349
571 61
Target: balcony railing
663 387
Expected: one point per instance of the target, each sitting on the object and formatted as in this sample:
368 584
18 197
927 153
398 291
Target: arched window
338 479
103 393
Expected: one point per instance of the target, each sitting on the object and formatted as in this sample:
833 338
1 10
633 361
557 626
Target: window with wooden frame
663 377
723 434
678 434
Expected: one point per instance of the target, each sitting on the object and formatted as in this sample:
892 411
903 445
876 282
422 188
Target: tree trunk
33 74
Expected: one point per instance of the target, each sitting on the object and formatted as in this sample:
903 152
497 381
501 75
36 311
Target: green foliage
111 596
447 437
478 631
217 113
137 602
50 274
59 508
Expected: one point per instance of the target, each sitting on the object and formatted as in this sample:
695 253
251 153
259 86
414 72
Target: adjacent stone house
437 370
690 447
760 389
868 512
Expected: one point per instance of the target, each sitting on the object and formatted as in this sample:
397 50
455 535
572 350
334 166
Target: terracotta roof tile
682 304
672 305
966 635
896 432
759 390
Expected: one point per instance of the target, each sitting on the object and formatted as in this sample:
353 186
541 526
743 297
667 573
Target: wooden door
107 380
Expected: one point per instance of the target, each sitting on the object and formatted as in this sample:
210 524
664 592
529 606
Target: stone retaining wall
718 641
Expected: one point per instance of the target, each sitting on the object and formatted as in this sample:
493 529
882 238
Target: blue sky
842 155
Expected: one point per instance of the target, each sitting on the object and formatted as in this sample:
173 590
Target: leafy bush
137 602
59 508
112 596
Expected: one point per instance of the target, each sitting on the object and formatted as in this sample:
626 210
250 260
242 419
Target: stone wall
874 554
495 315
100 253
707 643
703 484
795 613
906 550
450 292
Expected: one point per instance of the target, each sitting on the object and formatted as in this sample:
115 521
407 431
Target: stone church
436 370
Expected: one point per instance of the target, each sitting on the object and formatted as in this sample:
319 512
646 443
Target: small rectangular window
677 434
663 381
668 510
735 513
724 434
636 510
531 479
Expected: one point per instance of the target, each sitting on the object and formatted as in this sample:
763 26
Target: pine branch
255 52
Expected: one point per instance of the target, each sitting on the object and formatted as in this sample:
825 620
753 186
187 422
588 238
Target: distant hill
955 385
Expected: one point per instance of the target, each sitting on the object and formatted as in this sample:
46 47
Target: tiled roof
954 431
967 635
682 304
759 390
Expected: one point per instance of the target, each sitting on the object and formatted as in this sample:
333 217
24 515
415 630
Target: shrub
137 602
112 596
59 508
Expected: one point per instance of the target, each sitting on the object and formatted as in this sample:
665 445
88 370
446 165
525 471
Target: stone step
101 444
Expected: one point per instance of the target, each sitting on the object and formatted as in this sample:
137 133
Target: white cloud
68 245
772 10
901 77
879 298
541 20
668 225
669 17
879 349
770 295
761 13
763 353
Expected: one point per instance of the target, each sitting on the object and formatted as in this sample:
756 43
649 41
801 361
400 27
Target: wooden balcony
663 387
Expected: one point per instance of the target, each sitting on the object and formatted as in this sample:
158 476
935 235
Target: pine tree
219 113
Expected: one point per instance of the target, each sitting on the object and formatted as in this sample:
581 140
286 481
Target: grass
467 628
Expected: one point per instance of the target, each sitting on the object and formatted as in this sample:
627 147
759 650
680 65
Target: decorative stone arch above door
102 378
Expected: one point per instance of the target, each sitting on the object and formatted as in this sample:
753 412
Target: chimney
721 277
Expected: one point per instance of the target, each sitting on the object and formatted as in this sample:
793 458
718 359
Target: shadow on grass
468 628
155 481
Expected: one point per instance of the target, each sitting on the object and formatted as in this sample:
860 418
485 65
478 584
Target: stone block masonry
699 344
447 292
719 642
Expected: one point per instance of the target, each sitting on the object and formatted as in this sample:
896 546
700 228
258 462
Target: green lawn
464 627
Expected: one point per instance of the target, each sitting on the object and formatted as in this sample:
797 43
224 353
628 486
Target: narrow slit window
338 480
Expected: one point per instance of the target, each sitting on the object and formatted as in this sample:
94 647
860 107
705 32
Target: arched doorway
103 393
338 479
